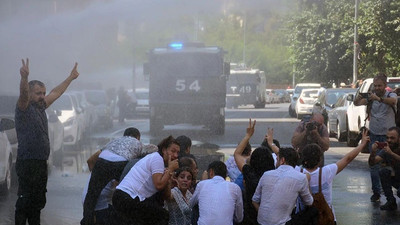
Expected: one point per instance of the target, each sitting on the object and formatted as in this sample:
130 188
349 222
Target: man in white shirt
278 190
220 201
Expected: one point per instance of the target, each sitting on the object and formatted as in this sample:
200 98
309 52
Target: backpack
325 216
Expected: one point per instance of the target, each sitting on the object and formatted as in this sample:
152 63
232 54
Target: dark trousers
388 181
103 172
133 211
32 182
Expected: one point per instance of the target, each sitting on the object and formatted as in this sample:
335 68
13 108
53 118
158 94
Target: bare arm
270 140
60 89
359 100
323 142
161 180
23 100
239 159
298 138
256 205
387 100
341 164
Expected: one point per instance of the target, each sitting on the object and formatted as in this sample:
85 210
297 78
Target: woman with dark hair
178 204
137 199
310 165
260 161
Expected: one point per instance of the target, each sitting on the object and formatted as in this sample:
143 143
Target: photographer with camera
381 116
311 130
388 155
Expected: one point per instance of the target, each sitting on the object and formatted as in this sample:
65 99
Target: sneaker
375 197
389 205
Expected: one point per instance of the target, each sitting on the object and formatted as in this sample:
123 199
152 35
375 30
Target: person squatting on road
109 166
388 154
138 198
381 116
33 143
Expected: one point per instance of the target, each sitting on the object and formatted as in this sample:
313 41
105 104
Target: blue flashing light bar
176 45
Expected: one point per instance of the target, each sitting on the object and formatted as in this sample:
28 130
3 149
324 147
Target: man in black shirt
33 143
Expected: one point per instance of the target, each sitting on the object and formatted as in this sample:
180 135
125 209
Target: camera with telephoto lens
311 125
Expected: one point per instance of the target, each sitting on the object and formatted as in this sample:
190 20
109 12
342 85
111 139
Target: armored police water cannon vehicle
187 84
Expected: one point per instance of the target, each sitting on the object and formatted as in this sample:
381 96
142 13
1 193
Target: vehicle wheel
328 127
339 132
6 186
291 113
259 105
350 141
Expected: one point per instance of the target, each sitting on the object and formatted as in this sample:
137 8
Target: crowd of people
133 183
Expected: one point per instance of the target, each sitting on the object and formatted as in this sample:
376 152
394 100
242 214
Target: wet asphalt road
351 188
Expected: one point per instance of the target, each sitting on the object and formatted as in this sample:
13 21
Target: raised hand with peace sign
24 71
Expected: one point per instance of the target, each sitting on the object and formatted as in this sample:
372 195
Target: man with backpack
381 114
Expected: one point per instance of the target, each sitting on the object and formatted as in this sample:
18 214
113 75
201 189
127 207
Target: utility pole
244 39
355 67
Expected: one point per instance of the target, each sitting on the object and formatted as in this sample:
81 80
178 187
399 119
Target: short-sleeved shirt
32 133
322 130
382 116
126 147
328 174
139 182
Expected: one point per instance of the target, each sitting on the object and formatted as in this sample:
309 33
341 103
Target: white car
271 96
297 90
70 116
305 102
5 156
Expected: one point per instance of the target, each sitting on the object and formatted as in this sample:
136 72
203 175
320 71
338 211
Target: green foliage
321 36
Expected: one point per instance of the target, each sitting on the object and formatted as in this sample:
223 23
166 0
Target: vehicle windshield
189 64
332 96
298 89
62 103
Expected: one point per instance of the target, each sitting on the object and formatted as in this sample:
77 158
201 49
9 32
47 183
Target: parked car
337 117
88 111
142 96
327 98
6 156
305 102
70 116
271 96
283 95
99 99
297 91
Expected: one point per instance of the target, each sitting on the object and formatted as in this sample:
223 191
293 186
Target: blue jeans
374 170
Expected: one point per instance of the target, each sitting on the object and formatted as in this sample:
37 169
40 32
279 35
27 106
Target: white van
297 90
